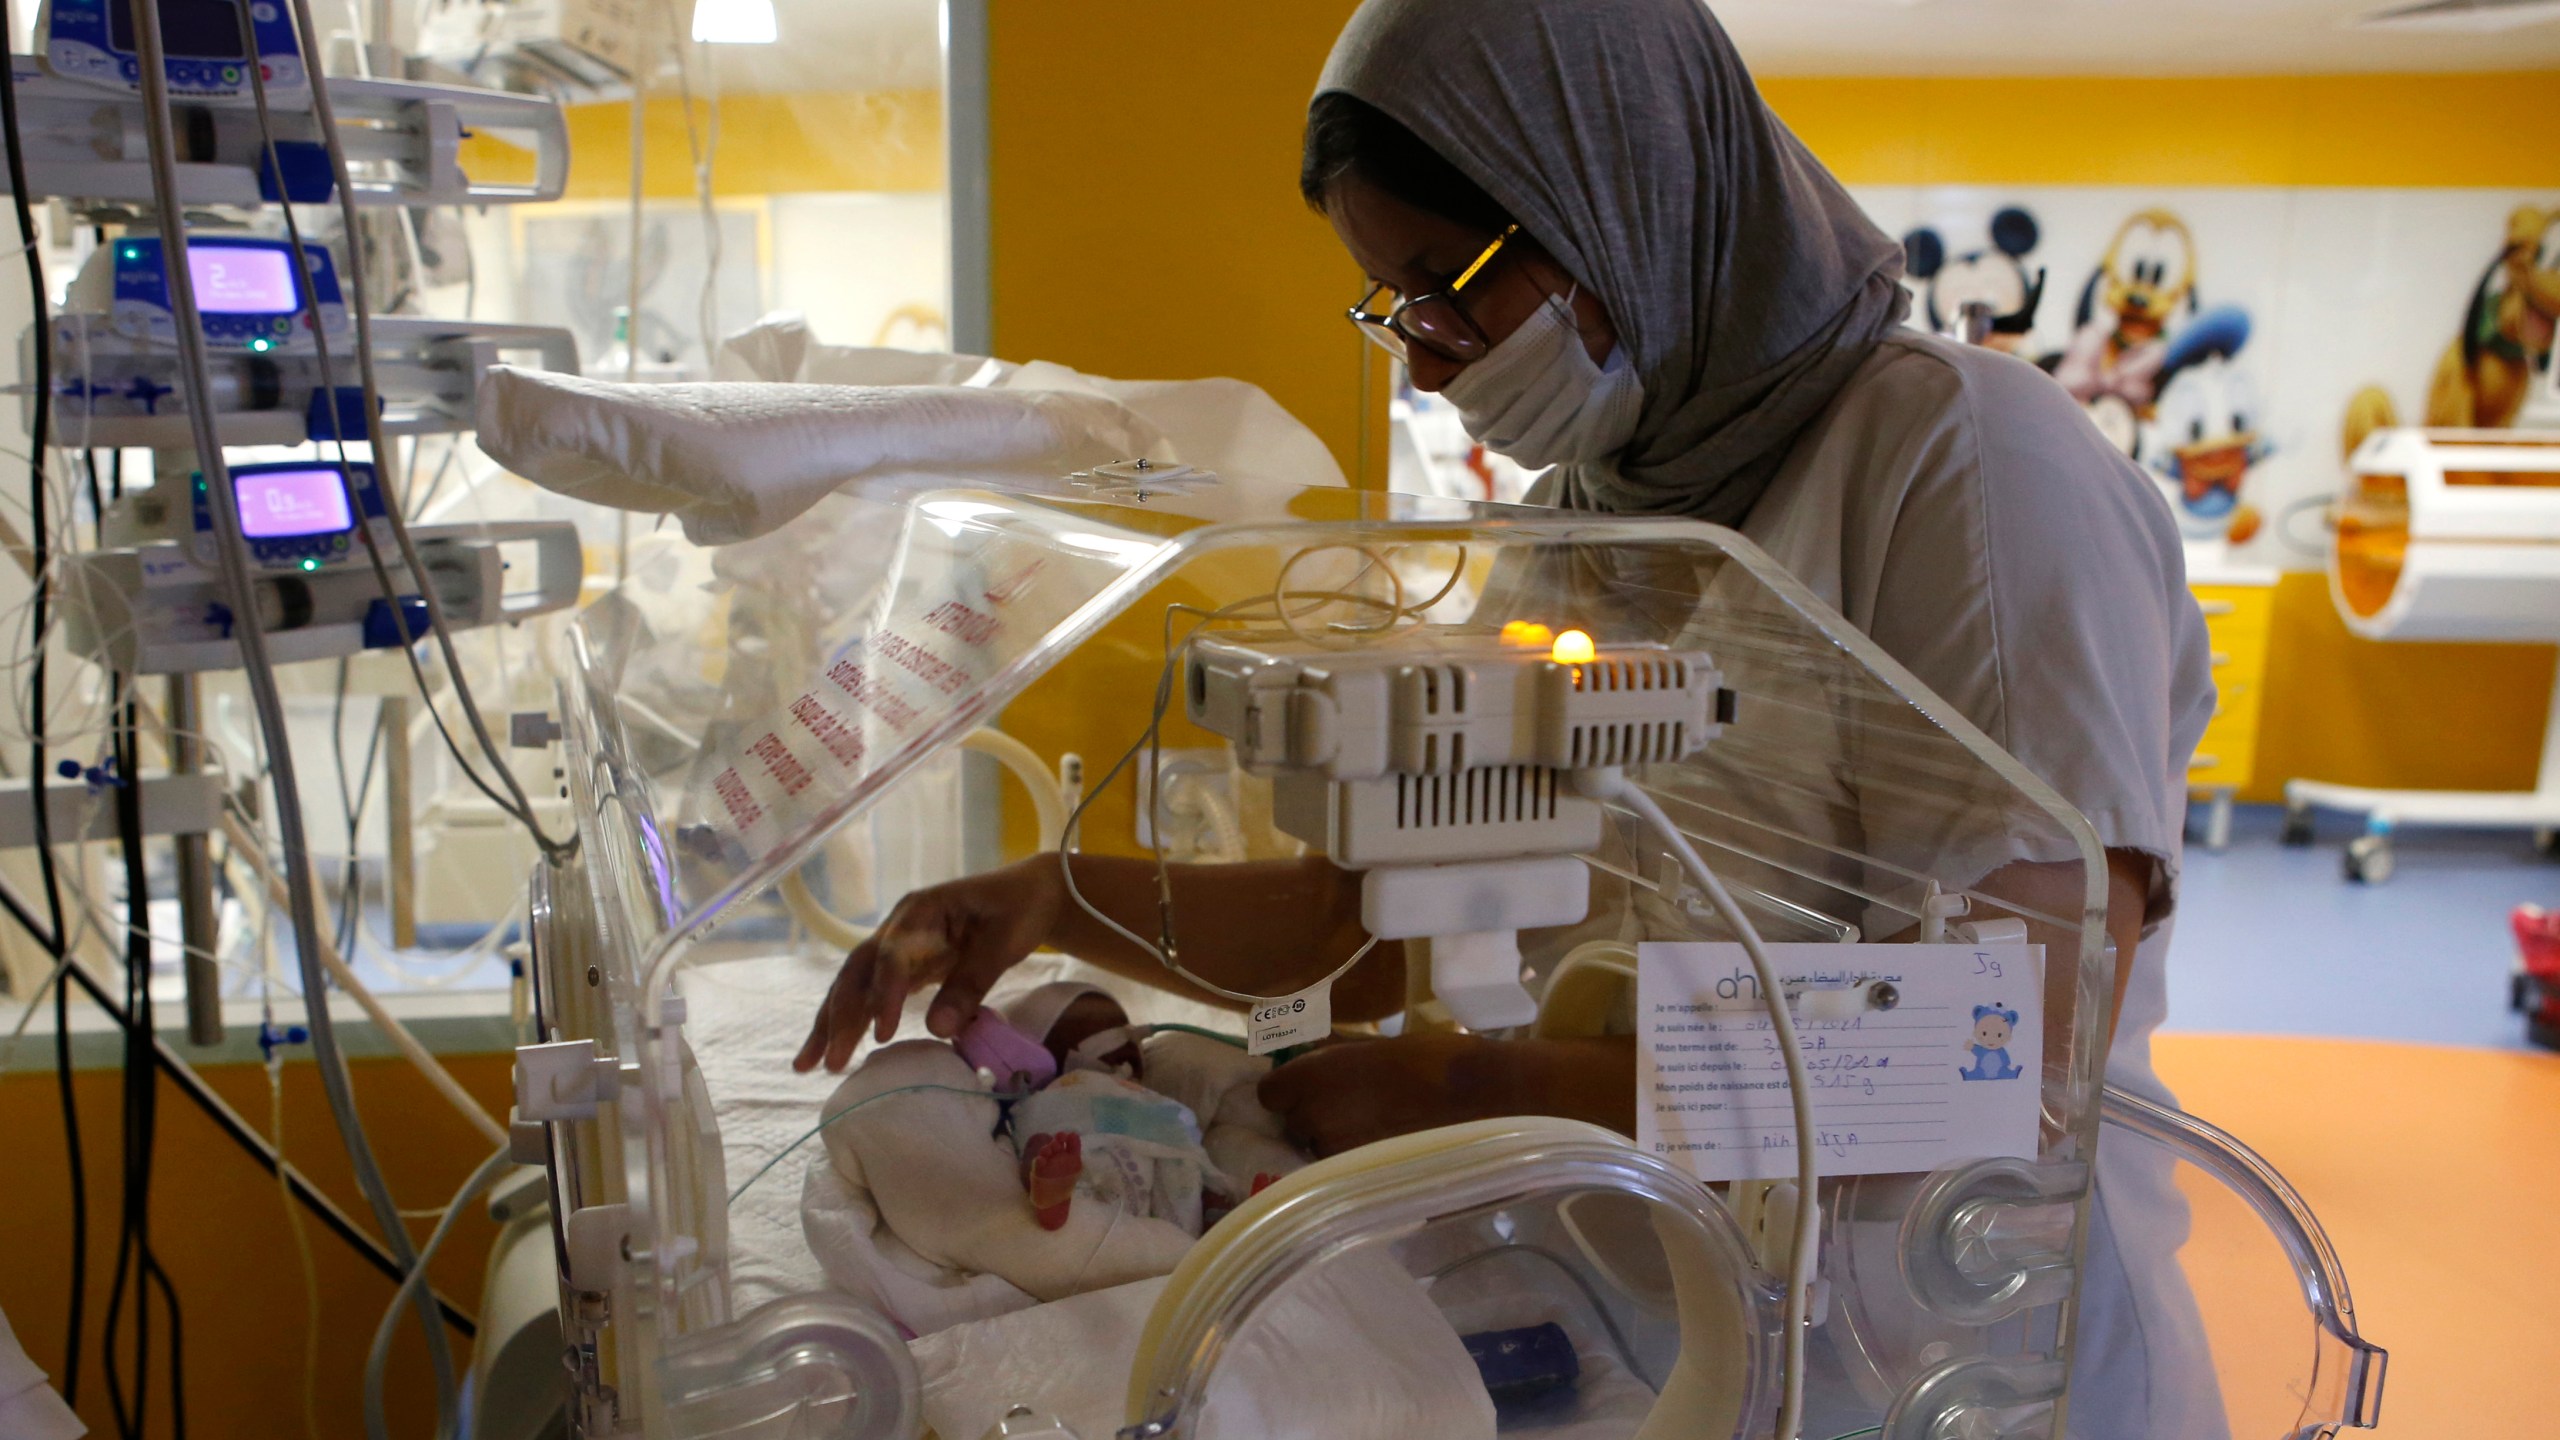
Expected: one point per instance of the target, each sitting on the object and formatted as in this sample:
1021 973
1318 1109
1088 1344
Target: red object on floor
2537 985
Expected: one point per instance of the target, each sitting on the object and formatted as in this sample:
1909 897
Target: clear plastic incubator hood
1376 677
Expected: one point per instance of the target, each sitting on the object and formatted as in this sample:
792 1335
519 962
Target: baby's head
1992 1026
1079 1025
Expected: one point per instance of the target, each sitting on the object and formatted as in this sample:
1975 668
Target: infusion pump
207 48
151 599
267 315
250 293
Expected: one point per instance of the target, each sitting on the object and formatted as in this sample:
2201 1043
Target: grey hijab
1628 138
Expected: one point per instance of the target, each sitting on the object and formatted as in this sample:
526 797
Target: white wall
2343 288
849 261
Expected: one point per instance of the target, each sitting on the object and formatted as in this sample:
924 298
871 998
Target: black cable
177 1349
142 1080
39 436
219 1111
134 1259
97 499
79 1177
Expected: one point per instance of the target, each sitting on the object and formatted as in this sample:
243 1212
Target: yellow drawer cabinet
2237 617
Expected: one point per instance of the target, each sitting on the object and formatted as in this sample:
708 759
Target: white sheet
746 1019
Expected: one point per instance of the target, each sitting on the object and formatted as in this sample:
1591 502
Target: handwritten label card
1949 1070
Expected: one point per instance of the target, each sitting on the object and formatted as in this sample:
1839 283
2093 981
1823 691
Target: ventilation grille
1639 672
1493 795
1632 743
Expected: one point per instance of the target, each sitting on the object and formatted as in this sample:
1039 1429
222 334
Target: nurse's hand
964 934
1347 1094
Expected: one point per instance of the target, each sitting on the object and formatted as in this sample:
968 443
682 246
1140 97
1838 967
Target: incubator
1673 744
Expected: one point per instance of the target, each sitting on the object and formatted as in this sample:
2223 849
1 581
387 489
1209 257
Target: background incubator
1837 800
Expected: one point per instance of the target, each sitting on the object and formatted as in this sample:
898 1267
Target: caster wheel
2296 834
2547 841
2369 860
2520 996
2543 1033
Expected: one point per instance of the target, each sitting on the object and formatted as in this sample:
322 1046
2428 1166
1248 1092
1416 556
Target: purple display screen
242 280
279 504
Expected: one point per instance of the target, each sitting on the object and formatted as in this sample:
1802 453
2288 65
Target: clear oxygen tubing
406 1043
514 804
1047 805
259 668
376 1425
326 116
1613 785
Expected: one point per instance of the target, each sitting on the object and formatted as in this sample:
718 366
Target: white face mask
1538 397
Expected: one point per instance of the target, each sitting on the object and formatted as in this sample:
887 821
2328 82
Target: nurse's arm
2055 890
1262 927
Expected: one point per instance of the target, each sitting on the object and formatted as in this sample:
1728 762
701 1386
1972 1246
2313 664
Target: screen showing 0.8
282 504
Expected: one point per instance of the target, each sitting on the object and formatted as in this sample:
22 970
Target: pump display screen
242 280
189 29
280 504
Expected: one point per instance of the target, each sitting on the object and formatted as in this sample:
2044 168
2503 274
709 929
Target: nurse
1581 226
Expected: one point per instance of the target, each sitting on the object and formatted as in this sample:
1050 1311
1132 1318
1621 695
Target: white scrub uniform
1959 508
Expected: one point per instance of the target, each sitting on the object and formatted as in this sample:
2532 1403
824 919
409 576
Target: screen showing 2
281 504
242 280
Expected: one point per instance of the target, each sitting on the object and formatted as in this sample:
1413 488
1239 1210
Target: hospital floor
2359 1038
2272 941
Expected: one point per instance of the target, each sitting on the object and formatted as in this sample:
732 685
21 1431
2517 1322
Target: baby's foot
1050 1166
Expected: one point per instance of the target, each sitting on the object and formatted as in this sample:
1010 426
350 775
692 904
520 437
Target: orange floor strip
2437 1174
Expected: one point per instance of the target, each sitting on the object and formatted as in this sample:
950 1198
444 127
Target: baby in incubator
1053 1148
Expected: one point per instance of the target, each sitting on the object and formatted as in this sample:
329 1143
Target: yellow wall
1147 227
768 144
1144 219
2196 130
219 1230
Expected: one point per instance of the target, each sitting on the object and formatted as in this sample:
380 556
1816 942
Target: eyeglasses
1435 321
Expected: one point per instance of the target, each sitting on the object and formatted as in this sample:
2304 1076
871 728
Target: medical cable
1150 740
265 693
302 1248
448 1422
134 1256
324 113
40 302
230 1123
326 957
1000 1096
1805 1249
520 809
1164 951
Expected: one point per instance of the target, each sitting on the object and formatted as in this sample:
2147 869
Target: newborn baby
1054 1147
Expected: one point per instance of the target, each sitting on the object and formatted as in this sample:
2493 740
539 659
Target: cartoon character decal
2117 351
2203 435
2496 372
1995 279
2504 346
1992 1027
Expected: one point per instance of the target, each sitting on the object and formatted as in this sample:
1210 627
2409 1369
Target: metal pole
199 913
399 821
